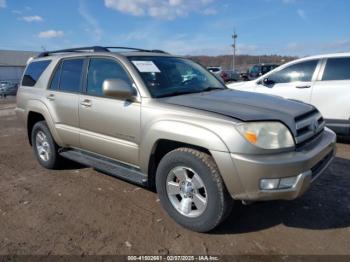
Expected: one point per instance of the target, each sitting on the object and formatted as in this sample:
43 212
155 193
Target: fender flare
181 132
39 107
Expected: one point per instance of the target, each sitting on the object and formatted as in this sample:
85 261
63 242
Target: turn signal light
251 137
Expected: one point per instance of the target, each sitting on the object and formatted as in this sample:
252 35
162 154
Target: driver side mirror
267 82
119 89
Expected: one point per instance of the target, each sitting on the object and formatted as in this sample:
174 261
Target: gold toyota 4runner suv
161 120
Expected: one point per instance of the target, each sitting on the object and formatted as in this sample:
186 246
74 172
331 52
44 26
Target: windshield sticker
146 66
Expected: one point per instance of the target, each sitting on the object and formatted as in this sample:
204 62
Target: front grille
320 165
308 126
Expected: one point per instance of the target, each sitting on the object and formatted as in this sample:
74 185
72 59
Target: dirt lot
81 211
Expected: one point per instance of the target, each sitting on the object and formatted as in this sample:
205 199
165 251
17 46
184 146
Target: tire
183 201
41 136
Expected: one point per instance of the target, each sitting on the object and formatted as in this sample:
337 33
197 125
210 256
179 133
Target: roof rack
136 49
78 49
96 49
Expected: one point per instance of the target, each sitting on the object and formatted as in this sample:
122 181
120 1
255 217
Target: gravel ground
81 211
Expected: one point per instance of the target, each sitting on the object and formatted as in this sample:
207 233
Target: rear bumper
306 164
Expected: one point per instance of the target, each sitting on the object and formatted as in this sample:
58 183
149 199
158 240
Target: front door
108 126
293 82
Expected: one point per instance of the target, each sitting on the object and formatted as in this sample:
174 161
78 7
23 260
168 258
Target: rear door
63 95
331 93
293 82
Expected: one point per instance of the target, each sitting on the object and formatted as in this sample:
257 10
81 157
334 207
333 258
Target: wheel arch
165 136
160 149
37 111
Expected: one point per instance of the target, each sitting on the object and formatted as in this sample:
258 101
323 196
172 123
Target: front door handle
51 97
86 103
303 87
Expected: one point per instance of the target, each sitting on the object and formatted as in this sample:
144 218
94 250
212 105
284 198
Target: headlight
267 135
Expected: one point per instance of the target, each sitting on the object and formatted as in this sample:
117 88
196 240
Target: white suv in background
323 81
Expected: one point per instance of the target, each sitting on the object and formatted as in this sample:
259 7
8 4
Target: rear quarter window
33 72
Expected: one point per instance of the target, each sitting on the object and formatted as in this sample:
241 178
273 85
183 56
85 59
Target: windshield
170 76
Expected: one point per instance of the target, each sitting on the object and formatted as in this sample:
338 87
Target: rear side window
337 69
71 72
34 71
68 75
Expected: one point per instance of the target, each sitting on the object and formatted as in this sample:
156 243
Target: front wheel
191 189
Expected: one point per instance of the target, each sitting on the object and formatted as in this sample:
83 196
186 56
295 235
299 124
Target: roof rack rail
127 48
158 51
96 49
78 49
136 49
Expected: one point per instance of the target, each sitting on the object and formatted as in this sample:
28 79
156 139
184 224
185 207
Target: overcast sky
289 27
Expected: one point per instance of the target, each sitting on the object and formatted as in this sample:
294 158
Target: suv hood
244 106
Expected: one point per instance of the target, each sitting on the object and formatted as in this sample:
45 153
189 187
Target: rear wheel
191 189
45 148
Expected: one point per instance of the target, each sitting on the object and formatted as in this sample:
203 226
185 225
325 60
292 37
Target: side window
55 82
302 72
265 69
33 72
337 69
101 69
254 70
71 72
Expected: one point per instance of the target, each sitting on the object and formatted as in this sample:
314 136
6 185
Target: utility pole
234 37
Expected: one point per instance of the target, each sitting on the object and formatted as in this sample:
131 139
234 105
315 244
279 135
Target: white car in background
323 81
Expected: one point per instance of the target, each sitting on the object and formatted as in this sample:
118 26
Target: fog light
269 184
287 182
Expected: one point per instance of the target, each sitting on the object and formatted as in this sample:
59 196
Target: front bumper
307 163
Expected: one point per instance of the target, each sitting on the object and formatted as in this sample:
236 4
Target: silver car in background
8 88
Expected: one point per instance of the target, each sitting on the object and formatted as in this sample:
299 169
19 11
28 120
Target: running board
105 165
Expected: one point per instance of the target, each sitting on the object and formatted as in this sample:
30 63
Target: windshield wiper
211 88
177 93
183 92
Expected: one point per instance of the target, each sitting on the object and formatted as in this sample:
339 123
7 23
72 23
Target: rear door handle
51 97
86 103
303 87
